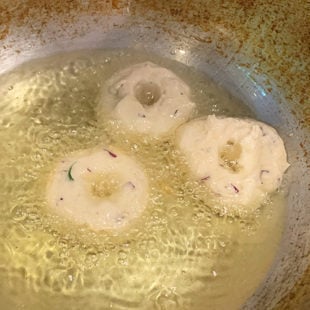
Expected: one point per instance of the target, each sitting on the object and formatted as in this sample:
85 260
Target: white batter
239 160
103 188
146 98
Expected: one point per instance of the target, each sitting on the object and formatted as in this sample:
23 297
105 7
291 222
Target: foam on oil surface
178 255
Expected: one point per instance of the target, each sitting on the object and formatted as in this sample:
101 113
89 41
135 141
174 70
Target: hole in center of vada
147 93
229 156
103 185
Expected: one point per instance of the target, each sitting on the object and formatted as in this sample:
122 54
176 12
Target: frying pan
256 49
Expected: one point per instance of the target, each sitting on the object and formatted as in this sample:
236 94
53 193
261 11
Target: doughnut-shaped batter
146 98
103 188
239 160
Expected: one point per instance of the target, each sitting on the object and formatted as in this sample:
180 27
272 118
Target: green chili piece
70 171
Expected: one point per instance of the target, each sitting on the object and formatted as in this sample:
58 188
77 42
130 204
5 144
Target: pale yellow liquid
178 255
